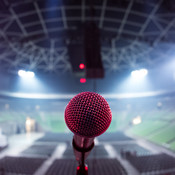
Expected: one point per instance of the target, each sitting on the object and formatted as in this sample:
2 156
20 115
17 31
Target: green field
159 129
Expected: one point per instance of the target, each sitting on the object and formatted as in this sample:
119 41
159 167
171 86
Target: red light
81 66
81 167
82 80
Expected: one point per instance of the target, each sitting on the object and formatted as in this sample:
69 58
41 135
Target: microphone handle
83 142
82 147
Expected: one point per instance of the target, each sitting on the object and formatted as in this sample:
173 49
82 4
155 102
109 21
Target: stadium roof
134 33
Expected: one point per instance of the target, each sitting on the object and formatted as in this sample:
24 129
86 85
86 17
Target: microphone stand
82 152
82 168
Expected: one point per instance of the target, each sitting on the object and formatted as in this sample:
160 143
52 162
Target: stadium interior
52 50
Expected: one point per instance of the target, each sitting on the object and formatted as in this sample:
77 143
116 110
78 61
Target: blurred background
51 50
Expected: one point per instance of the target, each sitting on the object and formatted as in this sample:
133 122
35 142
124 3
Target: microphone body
87 115
82 147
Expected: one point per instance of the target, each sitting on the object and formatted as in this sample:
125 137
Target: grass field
159 129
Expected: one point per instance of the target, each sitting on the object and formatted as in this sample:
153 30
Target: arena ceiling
34 34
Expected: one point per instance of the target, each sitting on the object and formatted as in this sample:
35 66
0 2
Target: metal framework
133 34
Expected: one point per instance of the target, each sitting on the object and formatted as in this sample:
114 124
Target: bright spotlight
26 74
137 120
139 73
21 73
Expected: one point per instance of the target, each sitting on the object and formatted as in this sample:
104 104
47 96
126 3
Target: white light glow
139 73
69 96
26 74
28 122
137 120
30 125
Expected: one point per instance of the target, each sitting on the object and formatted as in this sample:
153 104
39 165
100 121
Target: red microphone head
88 114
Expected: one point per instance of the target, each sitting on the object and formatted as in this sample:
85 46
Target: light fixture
82 80
139 73
26 74
137 120
81 66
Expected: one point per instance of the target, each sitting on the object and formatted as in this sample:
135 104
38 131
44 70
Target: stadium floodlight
137 120
26 74
139 73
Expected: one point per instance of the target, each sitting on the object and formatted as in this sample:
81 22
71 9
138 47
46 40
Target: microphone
87 115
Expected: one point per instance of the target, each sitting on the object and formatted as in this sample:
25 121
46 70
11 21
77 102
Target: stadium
52 50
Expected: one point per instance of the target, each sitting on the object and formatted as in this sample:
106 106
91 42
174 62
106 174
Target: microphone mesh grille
88 114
